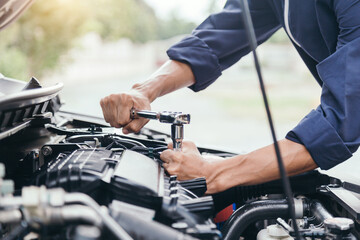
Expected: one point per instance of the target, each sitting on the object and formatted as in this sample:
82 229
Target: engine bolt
46 151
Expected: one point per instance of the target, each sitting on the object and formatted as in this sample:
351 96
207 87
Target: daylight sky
194 10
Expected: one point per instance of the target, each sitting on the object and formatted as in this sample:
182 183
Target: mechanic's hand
116 110
187 164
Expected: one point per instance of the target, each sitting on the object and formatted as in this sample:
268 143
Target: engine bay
65 175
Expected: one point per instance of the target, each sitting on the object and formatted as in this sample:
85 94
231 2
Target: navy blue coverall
326 33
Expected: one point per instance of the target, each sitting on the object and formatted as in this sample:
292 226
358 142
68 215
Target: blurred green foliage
174 26
12 60
36 42
114 19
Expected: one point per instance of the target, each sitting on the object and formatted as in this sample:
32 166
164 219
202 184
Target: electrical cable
284 178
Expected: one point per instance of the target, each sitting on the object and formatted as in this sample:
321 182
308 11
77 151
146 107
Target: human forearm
116 107
172 76
258 166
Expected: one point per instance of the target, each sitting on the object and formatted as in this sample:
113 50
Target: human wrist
212 172
170 77
222 175
147 90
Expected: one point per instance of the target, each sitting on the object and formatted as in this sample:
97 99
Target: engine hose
116 229
252 212
306 183
138 228
237 194
18 232
318 211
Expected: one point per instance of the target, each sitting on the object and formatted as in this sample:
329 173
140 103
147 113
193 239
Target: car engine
65 175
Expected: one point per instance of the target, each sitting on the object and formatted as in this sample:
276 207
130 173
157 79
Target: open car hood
10 10
21 102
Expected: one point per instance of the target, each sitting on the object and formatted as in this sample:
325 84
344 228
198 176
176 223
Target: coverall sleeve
221 40
331 133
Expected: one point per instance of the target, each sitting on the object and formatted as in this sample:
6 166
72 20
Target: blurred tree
36 41
115 19
12 61
48 29
174 26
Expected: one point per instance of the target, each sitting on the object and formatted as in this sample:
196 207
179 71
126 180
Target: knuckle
165 154
136 85
112 99
104 101
123 97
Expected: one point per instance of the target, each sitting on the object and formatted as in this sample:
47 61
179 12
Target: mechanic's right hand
116 110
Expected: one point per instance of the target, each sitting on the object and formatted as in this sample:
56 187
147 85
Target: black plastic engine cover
105 175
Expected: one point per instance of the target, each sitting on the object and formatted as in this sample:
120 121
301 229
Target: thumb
188 145
135 125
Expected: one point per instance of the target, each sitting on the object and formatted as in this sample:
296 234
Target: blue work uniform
326 33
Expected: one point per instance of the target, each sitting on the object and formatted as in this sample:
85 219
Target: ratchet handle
164 117
134 114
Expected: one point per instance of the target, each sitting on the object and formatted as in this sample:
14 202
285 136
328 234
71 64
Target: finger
115 124
109 109
172 170
135 125
166 156
102 105
166 167
123 108
170 146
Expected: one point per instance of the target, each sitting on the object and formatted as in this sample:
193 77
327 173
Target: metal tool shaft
144 113
177 135
177 119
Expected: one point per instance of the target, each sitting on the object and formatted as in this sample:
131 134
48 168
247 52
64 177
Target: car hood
10 10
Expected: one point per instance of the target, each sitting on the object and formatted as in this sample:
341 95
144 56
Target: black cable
18 232
253 45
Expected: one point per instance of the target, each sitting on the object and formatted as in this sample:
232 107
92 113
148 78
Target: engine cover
118 174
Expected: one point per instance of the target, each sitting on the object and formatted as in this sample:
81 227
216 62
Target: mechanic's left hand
187 164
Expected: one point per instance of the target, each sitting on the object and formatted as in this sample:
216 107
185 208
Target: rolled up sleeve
331 133
221 40
203 62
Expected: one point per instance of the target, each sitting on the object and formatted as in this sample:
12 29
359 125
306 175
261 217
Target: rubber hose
138 228
252 212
